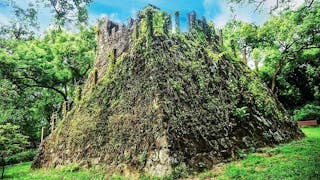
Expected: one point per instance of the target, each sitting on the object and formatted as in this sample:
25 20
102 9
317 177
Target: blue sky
120 10
216 10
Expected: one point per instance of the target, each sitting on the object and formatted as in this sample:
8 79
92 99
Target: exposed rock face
164 100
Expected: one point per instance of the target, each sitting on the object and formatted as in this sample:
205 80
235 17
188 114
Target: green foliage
241 113
180 171
66 11
11 141
77 95
23 23
307 112
160 21
284 51
241 154
143 158
58 60
240 39
24 156
288 42
29 108
176 85
282 162
71 168
39 74
215 56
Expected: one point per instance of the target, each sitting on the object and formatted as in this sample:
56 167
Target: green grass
23 171
296 160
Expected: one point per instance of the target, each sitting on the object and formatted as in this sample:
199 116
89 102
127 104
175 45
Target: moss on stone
169 100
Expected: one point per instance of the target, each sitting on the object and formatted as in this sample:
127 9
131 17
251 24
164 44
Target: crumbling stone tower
113 40
158 100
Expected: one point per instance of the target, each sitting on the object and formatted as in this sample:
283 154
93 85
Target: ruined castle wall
113 40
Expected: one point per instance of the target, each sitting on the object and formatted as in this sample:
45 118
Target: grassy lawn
296 160
23 171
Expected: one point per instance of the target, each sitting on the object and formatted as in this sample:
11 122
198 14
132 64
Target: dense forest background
40 71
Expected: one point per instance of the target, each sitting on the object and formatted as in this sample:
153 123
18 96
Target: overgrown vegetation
11 142
297 160
307 112
285 52
169 94
38 73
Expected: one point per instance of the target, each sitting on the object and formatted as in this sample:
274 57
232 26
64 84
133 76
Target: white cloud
244 12
44 14
93 18
224 17
294 3
240 12
4 19
25 3
113 17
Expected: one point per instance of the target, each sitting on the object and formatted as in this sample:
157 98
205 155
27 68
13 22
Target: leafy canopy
11 141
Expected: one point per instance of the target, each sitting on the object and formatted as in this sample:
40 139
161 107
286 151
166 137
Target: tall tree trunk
3 163
274 76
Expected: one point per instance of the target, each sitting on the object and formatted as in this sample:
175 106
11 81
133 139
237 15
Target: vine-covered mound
165 100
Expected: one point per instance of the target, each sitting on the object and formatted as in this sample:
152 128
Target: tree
66 11
287 47
38 75
23 24
57 62
240 38
289 36
11 141
29 108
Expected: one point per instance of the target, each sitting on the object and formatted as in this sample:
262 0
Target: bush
24 156
307 112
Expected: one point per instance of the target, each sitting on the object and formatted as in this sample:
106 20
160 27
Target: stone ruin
158 101
114 39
